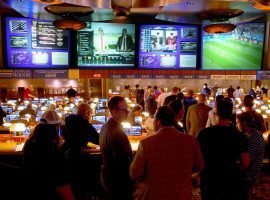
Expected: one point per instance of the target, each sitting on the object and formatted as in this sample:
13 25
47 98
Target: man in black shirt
71 92
78 133
222 146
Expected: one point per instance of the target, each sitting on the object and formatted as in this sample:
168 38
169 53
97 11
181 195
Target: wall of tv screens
106 45
241 49
168 46
31 43
35 44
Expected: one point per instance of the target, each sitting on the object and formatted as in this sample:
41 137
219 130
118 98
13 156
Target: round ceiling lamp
219 28
70 14
48 1
69 10
219 15
69 24
265 6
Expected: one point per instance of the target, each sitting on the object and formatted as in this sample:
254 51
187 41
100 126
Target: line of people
228 159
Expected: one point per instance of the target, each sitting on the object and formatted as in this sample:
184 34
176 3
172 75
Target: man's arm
188 120
137 166
93 134
198 159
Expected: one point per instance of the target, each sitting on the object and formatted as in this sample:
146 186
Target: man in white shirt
237 93
161 98
100 42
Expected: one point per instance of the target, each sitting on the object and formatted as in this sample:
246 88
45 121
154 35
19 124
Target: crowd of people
186 136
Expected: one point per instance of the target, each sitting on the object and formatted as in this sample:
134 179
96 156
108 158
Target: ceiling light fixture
219 28
265 5
70 14
69 24
219 15
50 2
220 19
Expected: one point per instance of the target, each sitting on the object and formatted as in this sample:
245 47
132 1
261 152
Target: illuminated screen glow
168 46
106 45
36 44
241 49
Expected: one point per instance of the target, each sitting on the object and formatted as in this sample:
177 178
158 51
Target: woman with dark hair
151 104
43 162
246 123
2 115
178 109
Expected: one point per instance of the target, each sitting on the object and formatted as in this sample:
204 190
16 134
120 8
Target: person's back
44 163
44 167
176 157
165 161
80 131
221 147
71 92
197 116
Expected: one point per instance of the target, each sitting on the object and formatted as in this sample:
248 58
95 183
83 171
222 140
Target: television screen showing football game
106 45
241 49
35 44
168 46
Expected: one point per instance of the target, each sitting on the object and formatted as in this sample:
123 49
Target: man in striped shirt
246 123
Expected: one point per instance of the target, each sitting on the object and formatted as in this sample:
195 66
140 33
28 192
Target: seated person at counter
149 123
165 160
2 115
28 111
135 112
44 163
77 134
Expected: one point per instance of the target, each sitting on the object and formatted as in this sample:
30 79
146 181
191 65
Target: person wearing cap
78 132
44 162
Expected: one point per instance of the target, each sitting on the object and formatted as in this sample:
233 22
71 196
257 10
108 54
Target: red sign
97 75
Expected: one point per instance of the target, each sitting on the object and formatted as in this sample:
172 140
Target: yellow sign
73 74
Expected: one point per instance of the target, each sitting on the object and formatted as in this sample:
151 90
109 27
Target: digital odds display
168 46
241 49
36 44
106 45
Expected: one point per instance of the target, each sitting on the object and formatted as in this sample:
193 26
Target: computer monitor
97 127
102 110
100 118
12 117
7 109
138 119
133 131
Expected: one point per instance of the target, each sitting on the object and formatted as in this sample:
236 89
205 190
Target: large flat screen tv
241 49
168 46
35 44
106 45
